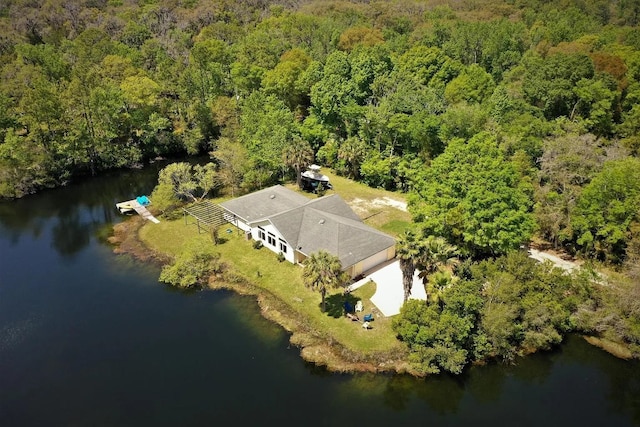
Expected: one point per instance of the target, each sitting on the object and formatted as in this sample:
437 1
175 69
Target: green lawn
284 280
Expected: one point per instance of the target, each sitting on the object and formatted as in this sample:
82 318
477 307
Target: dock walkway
143 212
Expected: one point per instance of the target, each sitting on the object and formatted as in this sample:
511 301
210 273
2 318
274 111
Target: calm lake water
89 338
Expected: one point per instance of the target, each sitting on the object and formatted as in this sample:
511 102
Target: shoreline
315 347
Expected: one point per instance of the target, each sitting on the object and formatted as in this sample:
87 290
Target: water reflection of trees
623 394
70 235
77 211
442 393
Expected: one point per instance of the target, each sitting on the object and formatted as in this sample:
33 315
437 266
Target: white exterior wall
237 222
289 255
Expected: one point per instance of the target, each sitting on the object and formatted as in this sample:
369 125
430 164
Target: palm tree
437 254
298 155
437 283
323 271
408 251
352 152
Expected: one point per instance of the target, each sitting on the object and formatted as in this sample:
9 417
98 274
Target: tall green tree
473 85
472 195
437 283
267 126
233 161
428 65
567 164
596 104
352 153
286 81
549 83
323 271
608 208
436 255
334 90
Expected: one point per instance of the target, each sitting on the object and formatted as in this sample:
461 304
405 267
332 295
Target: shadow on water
556 383
622 378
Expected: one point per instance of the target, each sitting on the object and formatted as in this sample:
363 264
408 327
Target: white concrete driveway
389 295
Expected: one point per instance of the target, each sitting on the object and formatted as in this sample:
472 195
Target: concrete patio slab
389 295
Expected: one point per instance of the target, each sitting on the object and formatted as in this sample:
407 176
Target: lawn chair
359 306
368 317
348 308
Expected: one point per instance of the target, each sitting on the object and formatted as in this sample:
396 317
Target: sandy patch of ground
362 206
564 262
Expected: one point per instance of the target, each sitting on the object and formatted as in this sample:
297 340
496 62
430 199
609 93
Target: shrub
191 269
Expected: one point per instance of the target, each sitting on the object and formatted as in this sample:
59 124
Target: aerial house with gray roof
289 223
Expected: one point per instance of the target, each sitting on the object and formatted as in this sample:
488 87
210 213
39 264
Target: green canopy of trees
503 308
473 196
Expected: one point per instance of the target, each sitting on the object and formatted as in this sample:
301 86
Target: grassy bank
281 279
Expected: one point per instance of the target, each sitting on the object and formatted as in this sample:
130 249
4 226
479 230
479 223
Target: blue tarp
143 200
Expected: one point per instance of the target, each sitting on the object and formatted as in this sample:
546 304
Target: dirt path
556 260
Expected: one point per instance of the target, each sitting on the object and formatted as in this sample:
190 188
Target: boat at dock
129 205
137 205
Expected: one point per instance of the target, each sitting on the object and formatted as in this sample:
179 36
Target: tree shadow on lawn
335 304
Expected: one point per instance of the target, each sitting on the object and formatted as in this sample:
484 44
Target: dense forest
505 121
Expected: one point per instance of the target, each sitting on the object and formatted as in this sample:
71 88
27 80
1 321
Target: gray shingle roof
312 224
264 203
329 223
350 240
333 204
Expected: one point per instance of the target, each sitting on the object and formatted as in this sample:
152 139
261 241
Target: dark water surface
89 338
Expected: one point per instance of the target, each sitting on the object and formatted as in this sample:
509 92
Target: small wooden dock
143 212
134 205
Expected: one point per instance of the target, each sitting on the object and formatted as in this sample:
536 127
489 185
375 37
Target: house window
283 246
261 233
271 239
